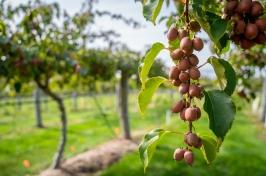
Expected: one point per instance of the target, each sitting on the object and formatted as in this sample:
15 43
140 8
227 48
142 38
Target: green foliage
149 144
209 148
151 9
212 24
225 74
149 60
221 112
147 91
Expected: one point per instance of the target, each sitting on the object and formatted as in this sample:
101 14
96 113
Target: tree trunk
263 115
63 118
38 115
123 105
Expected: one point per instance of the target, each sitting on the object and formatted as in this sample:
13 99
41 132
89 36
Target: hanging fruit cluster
185 75
249 27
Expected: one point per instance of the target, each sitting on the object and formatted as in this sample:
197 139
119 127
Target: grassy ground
25 149
242 154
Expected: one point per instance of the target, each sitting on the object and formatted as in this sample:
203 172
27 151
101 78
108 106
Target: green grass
242 154
20 140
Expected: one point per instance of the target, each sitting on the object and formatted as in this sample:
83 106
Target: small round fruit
193 60
183 88
172 33
230 7
178 107
244 6
256 9
191 114
182 114
198 112
191 139
239 27
194 26
261 24
197 44
186 44
251 31
199 144
236 39
183 65
184 77
174 73
246 44
176 82
177 54
189 157
188 52
260 39
179 154
194 91
182 33
194 73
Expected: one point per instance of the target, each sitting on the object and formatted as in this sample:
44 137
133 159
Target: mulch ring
95 160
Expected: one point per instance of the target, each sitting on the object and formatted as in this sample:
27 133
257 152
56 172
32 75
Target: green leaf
17 86
225 74
149 60
220 110
209 148
148 145
212 24
146 93
151 9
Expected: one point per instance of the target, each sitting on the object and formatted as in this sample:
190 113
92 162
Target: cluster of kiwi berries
249 27
185 75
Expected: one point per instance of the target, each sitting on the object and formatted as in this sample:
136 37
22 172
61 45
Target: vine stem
187 15
202 65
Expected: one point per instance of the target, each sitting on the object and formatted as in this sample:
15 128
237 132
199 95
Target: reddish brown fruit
186 44
179 154
182 33
197 44
246 44
178 107
260 39
183 88
198 112
191 114
244 6
193 60
177 54
183 65
176 82
189 52
194 73
230 7
172 33
239 27
194 26
174 73
182 114
194 91
191 139
256 9
189 157
199 144
184 77
251 31
236 39
261 24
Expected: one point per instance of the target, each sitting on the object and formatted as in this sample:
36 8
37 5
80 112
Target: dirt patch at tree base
92 161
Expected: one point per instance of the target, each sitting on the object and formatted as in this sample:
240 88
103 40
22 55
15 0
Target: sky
136 39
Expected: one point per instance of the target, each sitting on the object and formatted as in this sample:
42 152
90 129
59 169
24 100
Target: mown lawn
26 150
242 154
